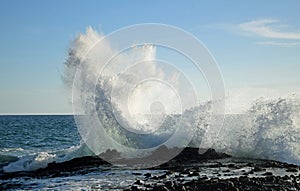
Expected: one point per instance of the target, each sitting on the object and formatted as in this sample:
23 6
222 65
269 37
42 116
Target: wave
42 159
6 159
269 129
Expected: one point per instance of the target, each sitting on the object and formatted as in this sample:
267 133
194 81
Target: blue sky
256 43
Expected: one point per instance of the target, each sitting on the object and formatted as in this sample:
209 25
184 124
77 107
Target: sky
256 43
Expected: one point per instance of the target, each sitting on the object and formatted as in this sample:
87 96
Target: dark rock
193 174
285 177
138 182
147 175
154 178
137 173
212 154
231 165
169 184
135 188
267 174
257 169
183 188
291 170
162 176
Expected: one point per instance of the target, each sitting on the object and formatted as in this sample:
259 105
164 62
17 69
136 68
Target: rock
147 175
285 177
230 183
134 188
162 176
267 174
139 182
193 174
291 170
212 154
231 166
169 184
137 173
154 178
257 169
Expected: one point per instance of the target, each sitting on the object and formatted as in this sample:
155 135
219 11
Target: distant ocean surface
35 140
22 135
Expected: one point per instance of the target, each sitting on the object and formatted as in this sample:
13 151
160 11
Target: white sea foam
42 159
268 130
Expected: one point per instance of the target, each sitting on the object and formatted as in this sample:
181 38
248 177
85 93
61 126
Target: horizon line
6 114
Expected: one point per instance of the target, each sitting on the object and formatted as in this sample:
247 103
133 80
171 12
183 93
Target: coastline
187 171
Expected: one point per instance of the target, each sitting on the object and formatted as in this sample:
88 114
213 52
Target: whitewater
266 129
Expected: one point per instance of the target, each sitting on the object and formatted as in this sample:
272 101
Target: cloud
268 28
275 43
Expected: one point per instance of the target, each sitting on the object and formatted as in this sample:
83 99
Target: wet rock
162 176
137 173
231 166
169 184
139 182
292 170
267 174
176 173
154 178
147 175
258 169
191 174
135 188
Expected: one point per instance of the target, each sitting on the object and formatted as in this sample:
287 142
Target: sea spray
269 129
118 92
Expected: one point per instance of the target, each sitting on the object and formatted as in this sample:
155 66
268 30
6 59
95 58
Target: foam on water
42 159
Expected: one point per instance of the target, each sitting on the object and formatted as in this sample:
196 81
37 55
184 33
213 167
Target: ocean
32 142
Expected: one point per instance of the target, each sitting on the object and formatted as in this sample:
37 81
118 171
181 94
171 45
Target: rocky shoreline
187 171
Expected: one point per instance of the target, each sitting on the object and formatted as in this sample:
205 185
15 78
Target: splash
132 95
268 130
